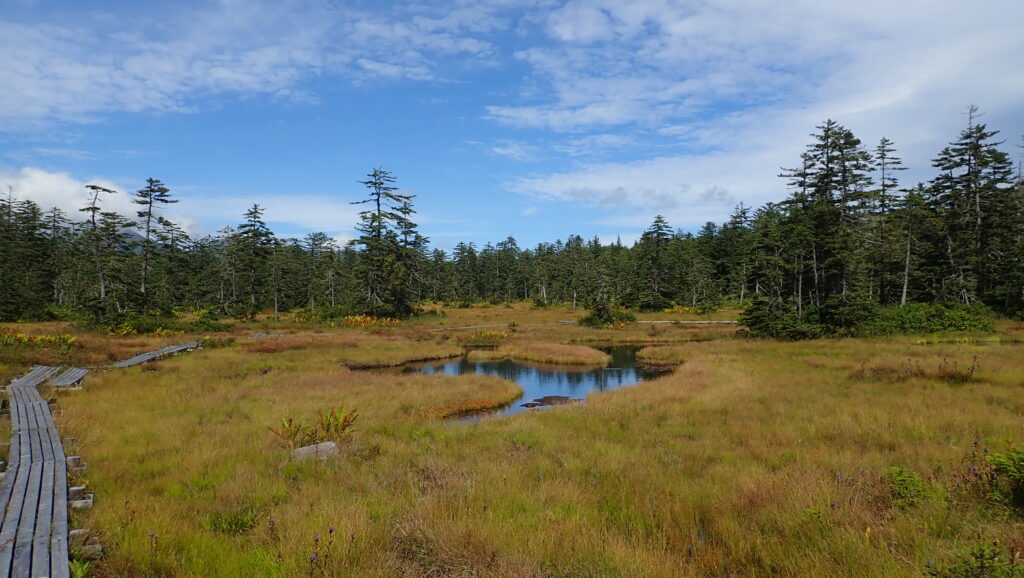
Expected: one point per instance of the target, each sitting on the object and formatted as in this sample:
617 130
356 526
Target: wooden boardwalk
71 377
151 355
34 490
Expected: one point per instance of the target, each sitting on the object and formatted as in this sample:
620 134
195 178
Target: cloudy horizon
534 119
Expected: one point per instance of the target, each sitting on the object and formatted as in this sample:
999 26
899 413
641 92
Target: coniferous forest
849 238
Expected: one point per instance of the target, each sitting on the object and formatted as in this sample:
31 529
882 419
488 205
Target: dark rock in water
552 400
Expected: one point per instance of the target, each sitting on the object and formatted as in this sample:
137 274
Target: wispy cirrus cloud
79 68
516 150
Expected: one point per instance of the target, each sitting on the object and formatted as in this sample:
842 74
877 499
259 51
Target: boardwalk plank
6 489
22 567
44 522
12 519
72 376
151 355
34 523
59 556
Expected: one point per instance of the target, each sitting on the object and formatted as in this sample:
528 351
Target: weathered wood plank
71 376
59 555
43 421
6 489
12 519
33 493
44 522
151 355
15 454
35 442
37 375
22 566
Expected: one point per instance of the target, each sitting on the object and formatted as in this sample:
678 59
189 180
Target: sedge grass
751 458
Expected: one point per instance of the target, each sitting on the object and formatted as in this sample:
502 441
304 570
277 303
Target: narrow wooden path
70 378
151 355
34 490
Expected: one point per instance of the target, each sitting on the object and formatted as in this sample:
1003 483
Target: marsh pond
547 385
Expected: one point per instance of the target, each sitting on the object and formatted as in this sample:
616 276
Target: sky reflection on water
544 380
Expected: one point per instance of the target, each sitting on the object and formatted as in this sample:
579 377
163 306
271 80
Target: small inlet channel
558 383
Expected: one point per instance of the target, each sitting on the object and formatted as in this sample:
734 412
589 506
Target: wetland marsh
750 458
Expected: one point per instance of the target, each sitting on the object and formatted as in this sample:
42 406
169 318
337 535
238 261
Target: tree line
847 237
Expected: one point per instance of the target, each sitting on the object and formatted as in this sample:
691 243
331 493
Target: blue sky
537 119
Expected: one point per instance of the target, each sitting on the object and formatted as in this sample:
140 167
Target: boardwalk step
82 504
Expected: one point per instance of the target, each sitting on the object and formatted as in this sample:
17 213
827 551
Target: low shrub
125 324
607 318
482 339
930 318
853 315
905 486
234 522
334 425
1009 483
774 319
209 342
321 314
369 321
981 562
61 343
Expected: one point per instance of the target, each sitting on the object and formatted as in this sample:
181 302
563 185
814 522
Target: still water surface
543 380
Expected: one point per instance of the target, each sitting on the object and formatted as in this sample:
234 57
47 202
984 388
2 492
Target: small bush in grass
235 522
607 318
368 321
334 425
209 342
994 477
61 343
982 562
952 372
905 486
1009 470
126 324
483 339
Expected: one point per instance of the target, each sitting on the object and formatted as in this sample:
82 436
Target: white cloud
310 212
596 144
700 103
738 87
516 150
343 239
198 214
79 68
63 191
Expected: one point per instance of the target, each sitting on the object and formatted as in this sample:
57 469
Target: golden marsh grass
752 458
